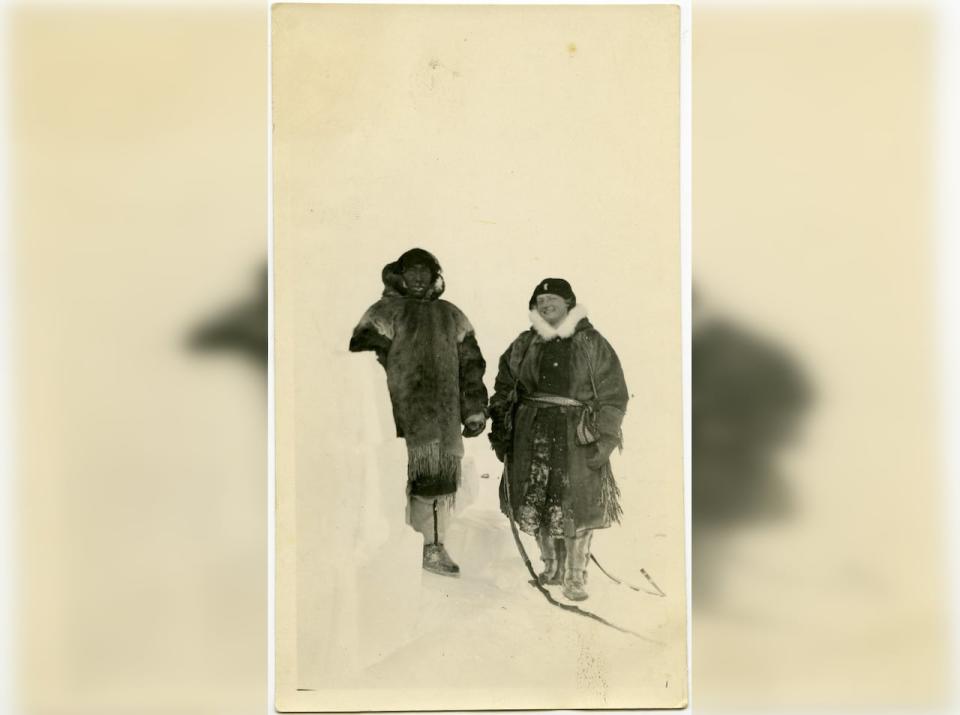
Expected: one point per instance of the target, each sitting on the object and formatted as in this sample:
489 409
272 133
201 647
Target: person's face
417 279
552 308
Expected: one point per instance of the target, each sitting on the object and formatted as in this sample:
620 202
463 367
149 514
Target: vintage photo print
478 357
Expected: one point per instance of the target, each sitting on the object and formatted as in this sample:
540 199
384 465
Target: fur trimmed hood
392 276
567 327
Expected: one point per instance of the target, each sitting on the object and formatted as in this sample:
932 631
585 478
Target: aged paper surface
139 219
814 191
513 143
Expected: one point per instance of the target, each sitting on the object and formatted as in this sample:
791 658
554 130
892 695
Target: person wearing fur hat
558 403
435 377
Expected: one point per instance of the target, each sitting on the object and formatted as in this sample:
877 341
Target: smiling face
552 308
417 278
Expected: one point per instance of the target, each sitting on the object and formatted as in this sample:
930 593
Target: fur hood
568 326
394 287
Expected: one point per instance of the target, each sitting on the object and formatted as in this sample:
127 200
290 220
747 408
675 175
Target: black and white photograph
479 396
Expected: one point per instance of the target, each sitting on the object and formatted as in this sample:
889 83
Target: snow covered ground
380 624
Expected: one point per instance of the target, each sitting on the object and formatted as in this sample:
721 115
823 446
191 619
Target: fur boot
575 576
437 560
552 553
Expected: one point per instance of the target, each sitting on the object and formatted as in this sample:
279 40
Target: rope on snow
535 582
630 585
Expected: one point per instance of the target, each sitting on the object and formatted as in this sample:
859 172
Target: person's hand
474 425
604 448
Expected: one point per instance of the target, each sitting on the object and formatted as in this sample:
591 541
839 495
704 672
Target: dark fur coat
592 498
434 373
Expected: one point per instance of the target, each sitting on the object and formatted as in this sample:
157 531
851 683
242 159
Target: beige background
812 206
138 160
514 143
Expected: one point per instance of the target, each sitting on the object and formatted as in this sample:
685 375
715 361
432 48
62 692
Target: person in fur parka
435 377
556 412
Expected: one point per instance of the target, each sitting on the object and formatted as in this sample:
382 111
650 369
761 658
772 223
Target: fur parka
434 374
591 499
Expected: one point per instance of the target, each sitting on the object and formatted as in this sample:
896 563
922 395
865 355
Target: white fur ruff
566 328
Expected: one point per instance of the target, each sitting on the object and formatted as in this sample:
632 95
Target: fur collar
567 327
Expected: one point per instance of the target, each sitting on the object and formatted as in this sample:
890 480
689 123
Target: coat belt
543 399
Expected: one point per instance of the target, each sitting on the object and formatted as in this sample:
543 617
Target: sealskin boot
578 552
552 574
573 586
437 560
553 554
